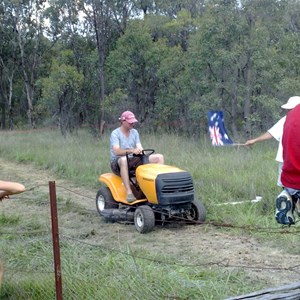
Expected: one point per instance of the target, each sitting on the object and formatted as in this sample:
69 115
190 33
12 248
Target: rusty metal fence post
55 239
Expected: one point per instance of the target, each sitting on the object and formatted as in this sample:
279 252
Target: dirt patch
197 244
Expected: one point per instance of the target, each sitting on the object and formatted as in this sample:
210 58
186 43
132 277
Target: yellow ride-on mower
163 193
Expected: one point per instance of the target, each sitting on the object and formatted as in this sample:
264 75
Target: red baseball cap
129 117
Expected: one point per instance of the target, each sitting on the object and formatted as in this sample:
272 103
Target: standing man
125 140
276 132
290 176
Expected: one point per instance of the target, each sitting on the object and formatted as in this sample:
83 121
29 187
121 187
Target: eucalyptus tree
133 70
171 8
216 58
106 21
22 23
69 29
270 59
177 31
174 93
8 66
99 17
66 31
289 46
26 21
61 90
234 61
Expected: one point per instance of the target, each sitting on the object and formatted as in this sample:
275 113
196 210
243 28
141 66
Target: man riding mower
162 193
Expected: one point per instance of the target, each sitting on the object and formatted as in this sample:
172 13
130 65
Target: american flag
216 127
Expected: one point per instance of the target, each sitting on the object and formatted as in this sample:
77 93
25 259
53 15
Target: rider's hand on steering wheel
137 151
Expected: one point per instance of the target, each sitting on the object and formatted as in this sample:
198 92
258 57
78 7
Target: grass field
221 175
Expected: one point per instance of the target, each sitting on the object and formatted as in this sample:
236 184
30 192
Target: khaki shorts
134 162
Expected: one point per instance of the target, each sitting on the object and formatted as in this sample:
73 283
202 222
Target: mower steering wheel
144 155
145 152
148 152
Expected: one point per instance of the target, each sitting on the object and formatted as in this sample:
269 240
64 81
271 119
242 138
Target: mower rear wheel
105 200
144 219
197 211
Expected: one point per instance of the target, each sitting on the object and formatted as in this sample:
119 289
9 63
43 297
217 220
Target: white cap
292 103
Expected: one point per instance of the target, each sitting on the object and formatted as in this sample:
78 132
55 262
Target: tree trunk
234 97
247 101
28 72
100 28
28 87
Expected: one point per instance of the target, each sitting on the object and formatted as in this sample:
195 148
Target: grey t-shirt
124 142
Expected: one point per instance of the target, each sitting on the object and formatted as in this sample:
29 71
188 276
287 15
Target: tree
133 66
8 68
108 20
61 94
27 22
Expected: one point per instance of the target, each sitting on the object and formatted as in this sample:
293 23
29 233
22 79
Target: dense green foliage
71 62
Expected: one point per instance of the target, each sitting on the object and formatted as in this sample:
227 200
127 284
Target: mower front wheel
197 211
105 200
144 219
